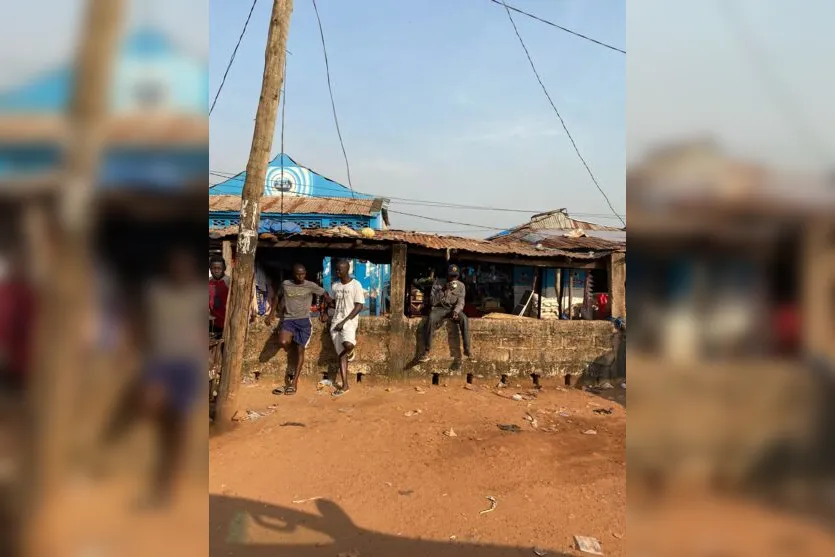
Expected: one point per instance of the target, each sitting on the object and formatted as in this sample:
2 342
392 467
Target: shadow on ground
233 522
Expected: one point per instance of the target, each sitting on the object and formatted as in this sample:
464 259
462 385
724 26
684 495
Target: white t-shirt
345 296
176 320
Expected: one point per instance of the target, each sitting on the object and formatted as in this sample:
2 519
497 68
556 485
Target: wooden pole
243 274
65 311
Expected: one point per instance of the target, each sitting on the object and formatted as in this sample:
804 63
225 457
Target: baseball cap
453 271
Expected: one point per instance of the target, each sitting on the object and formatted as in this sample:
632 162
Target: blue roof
51 90
284 172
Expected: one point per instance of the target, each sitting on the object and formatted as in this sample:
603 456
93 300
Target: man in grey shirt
447 301
295 298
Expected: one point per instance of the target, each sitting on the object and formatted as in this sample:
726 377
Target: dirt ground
357 476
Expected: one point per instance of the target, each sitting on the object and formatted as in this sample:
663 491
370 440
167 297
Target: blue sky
436 100
690 72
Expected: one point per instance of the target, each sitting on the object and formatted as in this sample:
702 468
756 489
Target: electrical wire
447 221
333 104
560 27
432 204
559 116
781 98
232 58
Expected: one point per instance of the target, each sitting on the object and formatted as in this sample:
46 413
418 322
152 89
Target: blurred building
156 155
297 198
729 258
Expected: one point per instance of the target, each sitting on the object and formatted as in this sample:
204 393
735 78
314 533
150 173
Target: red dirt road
391 484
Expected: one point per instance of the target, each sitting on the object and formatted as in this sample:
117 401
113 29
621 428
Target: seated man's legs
464 327
433 321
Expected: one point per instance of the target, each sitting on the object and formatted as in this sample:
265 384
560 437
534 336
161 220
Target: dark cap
453 271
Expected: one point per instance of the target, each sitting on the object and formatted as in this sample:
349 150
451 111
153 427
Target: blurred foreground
103 159
731 210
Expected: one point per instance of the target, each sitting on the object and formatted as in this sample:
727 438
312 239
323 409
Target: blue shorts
302 330
181 379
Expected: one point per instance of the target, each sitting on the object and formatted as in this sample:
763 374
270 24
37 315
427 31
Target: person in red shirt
16 323
218 294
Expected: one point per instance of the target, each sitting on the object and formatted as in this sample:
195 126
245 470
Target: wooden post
398 282
243 274
227 255
399 351
65 311
617 284
570 294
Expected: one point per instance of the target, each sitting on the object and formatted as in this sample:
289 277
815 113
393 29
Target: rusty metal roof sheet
560 241
433 242
302 205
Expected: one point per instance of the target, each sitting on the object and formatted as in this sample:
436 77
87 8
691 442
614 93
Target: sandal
290 390
339 392
278 391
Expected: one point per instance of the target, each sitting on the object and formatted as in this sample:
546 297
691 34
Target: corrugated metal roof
302 205
146 129
559 220
554 226
433 242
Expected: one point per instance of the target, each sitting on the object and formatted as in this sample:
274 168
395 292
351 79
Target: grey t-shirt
296 299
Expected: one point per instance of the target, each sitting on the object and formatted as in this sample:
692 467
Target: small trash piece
411 413
588 545
590 432
324 383
517 397
564 414
539 552
450 433
452 538
513 428
606 386
308 500
493 504
420 391
603 410
623 385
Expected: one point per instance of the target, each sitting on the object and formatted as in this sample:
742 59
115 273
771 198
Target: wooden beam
399 354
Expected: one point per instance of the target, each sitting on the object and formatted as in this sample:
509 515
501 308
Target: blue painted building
296 198
157 133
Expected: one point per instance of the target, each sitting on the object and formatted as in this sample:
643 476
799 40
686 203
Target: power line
330 91
436 204
447 221
232 58
560 27
780 97
554 106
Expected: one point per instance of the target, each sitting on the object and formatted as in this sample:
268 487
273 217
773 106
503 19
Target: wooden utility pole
243 274
65 313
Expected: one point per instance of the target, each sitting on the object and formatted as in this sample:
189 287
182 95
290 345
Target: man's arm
278 299
459 304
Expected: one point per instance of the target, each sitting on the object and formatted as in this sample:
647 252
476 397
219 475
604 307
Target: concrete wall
500 346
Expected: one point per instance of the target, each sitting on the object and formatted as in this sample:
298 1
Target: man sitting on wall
447 299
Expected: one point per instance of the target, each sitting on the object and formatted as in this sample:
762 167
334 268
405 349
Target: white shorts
347 334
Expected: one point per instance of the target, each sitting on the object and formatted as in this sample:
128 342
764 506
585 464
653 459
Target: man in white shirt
347 300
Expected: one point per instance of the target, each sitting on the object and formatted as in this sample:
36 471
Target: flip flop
338 393
290 391
278 391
